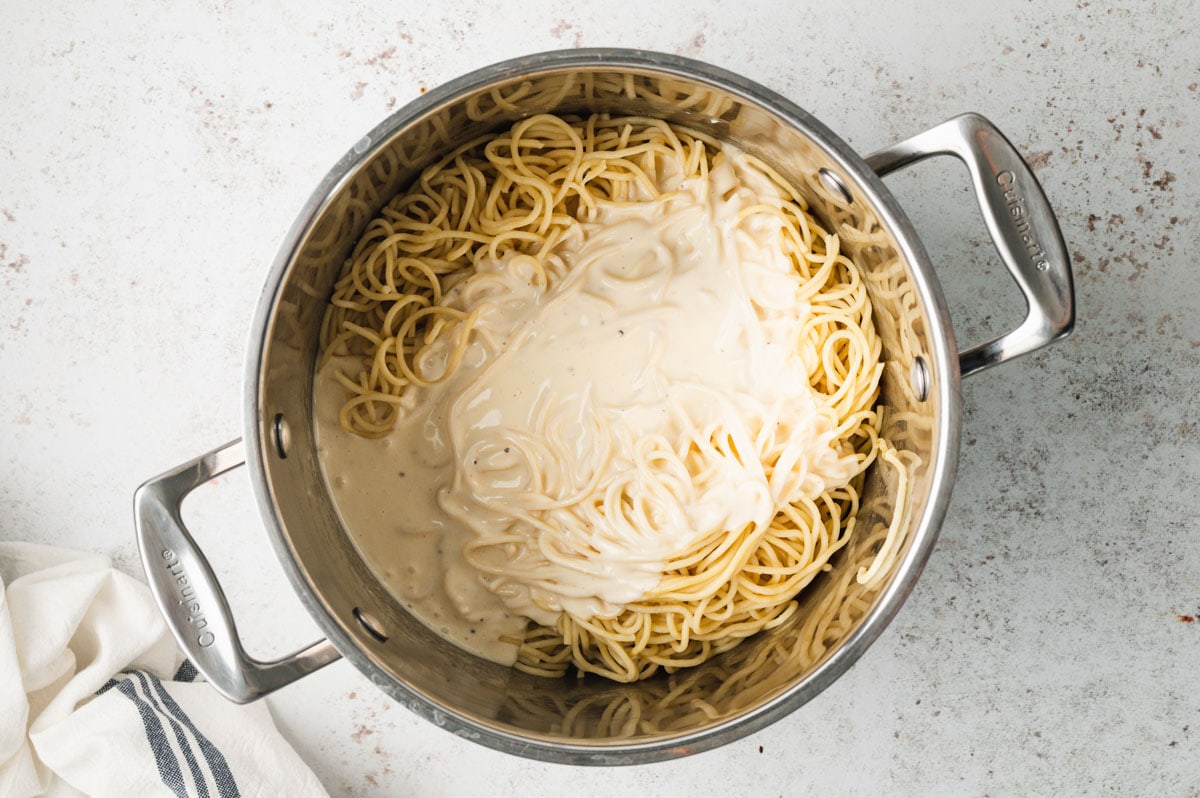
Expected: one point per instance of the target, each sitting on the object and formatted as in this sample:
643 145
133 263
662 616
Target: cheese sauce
598 424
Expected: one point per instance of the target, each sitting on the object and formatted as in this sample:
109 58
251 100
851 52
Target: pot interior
593 720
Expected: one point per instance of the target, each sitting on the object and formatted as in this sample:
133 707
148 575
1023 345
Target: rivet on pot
919 378
835 185
282 435
368 622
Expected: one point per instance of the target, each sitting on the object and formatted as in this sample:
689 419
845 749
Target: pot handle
1020 221
189 596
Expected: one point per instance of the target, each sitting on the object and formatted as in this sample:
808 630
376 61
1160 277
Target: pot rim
946 396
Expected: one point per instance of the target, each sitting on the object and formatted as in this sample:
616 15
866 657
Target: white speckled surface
151 160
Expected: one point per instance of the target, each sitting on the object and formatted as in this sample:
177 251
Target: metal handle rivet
835 185
282 435
919 378
368 622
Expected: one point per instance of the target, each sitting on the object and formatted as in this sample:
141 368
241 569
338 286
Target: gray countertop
151 158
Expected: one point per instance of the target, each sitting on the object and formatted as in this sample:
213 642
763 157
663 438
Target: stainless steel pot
595 722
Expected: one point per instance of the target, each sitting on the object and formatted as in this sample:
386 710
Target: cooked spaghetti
647 372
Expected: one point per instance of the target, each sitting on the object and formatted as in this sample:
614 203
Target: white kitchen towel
96 700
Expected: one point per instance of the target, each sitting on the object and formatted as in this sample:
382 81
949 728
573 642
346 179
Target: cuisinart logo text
185 596
1016 208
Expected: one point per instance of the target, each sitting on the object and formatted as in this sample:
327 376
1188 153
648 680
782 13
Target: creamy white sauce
386 492
597 426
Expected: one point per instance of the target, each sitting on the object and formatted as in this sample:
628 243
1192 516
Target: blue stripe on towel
164 757
222 775
185 745
187 672
159 704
